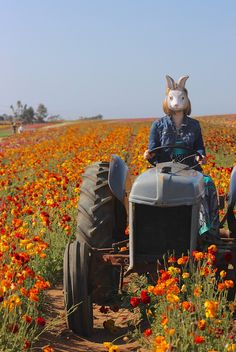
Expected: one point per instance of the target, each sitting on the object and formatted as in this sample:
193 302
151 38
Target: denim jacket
163 132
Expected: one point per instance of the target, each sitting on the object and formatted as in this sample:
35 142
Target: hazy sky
110 57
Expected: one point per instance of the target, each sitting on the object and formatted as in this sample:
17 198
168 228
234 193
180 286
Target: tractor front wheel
78 302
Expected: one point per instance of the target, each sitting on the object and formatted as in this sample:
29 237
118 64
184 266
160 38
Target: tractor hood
168 184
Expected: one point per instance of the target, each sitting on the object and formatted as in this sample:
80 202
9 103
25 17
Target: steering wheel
192 153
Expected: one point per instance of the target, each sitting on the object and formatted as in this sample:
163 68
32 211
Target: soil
64 340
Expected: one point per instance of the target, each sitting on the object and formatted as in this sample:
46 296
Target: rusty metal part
116 259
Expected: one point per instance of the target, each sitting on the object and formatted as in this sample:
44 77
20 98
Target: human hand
201 159
147 155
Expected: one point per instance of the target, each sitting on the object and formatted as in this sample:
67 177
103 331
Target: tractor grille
162 230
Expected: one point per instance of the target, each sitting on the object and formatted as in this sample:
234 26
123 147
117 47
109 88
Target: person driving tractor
184 133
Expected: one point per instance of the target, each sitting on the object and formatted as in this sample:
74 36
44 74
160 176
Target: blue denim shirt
163 132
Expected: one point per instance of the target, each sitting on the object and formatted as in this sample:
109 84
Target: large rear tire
102 220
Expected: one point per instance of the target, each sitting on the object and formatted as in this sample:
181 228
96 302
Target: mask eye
182 98
171 98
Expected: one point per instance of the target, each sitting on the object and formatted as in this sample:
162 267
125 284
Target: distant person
20 129
14 127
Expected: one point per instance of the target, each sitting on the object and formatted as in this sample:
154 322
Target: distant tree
19 110
28 115
41 113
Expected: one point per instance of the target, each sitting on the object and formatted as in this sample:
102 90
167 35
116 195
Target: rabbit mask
176 96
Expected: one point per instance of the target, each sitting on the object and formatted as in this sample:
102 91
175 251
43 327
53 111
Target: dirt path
63 340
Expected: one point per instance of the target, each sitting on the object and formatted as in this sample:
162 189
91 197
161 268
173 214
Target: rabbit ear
181 81
170 82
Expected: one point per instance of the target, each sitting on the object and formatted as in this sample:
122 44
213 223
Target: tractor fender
117 176
232 189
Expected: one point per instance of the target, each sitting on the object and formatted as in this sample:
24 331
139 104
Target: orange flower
48 349
34 294
159 290
183 260
229 283
201 324
198 255
197 291
164 320
212 249
42 285
172 259
161 344
211 308
188 306
170 332
221 286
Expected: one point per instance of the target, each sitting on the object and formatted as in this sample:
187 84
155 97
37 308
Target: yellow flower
107 345
222 273
211 308
172 298
173 270
201 324
150 288
185 275
183 288
114 348
161 344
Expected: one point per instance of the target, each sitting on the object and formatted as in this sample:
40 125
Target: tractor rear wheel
102 221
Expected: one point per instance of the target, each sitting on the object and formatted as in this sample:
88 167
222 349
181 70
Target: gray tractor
162 208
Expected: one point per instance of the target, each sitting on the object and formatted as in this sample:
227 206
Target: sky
110 57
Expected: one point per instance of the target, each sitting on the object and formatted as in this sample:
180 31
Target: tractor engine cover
168 184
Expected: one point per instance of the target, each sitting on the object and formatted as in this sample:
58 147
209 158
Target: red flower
147 332
40 321
145 298
66 218
27 345
165 275
134 301
27 318
199 339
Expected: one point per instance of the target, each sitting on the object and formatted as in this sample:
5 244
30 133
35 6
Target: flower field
40 177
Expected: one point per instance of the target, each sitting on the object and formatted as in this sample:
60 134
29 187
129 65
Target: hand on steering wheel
200 159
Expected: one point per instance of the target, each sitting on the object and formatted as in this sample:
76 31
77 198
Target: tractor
162 209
